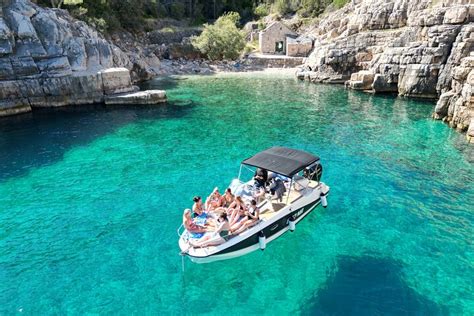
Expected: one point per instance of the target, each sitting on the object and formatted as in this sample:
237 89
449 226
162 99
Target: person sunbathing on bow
190 225
220 236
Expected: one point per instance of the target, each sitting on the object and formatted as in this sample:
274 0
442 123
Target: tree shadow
369 286
43 136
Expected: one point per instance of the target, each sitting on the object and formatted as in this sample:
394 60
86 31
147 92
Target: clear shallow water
91 198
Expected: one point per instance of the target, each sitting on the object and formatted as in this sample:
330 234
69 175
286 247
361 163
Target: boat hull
251 243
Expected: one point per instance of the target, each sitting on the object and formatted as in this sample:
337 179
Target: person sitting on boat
189 224
260 177
214 200
228 198
198 209
226 201
237 210
252 217
220 236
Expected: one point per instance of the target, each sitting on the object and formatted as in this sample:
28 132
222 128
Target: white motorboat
300 172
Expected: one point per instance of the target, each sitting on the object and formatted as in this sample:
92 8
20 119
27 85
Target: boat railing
180 230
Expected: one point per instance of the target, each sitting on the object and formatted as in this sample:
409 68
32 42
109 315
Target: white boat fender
324 200
262 241
292 223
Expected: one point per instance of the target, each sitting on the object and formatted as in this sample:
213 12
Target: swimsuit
227 203
252 211
224 234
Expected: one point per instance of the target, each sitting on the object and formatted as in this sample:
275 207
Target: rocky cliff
416 48
47 58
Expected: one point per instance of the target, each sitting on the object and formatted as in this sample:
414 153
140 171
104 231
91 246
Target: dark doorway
279 47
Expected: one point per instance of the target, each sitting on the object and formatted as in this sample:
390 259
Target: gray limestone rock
48 32
441 109
416 48
54 66
47 58
20 25
76 53
137 98
6 38
456 15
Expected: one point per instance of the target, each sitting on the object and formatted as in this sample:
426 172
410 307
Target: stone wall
416 48
257 61
49 59
298 47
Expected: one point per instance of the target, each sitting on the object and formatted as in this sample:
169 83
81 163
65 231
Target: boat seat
267 215
313 184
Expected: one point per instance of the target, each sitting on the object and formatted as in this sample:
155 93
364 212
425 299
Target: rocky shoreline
414 48
49 59
421 49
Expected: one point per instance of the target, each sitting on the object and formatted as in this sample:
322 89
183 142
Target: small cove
91 200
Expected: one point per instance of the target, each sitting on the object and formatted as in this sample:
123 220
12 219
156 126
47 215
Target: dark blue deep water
91 197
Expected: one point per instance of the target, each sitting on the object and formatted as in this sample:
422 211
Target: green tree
59 3
221 40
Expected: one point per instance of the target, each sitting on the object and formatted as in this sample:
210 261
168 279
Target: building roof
299 40
276 23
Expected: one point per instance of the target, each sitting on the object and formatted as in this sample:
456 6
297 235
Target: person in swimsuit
252 217
226 201
228 198
200 212
214 200
198 209
189 224
237 210
220 236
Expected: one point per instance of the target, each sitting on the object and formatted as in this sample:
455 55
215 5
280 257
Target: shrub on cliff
221 40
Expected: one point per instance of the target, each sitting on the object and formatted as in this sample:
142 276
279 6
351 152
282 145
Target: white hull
246 242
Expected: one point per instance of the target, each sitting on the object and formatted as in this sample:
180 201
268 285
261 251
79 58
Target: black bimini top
282 160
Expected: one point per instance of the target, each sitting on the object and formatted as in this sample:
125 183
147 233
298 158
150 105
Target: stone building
272 40
298 47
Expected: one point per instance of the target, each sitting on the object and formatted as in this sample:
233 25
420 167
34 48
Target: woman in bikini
214 200
189 224
200 213
228 198
237 210
252 217
226 201
220 236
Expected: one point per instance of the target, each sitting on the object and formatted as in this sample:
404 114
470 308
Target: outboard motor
314 172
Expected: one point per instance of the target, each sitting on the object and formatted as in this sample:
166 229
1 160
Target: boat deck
268 209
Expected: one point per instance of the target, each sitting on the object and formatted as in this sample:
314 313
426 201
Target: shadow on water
369 286
43 136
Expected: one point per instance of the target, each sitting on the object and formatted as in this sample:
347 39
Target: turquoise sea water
90 200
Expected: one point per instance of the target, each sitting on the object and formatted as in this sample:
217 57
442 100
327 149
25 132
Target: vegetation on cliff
110 15
221 40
